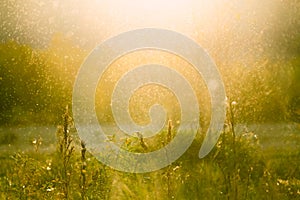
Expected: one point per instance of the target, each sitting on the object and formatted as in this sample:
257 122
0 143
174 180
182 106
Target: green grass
241 166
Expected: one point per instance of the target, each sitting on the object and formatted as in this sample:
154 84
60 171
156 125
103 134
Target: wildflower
50 189
175 168
128 141
255 136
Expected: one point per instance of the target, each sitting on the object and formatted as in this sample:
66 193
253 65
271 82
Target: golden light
91 22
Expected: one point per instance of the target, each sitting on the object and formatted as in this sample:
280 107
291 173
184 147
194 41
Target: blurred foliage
35 83
261 73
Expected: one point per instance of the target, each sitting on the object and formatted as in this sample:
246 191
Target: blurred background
255 44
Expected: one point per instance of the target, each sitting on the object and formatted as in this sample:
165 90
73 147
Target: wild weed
238 158
83 170
66 151
237 168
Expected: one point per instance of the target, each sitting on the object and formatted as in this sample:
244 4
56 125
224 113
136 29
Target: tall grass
237 168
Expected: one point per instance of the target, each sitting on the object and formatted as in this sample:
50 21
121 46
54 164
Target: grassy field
44 46
249 162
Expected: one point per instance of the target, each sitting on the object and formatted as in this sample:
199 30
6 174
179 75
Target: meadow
255 46
249 162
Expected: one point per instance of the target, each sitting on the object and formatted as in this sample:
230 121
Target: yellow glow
91 22
158 13
155 5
